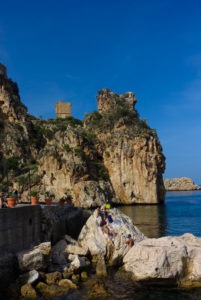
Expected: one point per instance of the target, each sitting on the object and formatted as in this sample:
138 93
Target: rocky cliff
130 148
112 156
180 184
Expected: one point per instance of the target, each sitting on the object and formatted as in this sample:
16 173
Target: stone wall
20 227
23 227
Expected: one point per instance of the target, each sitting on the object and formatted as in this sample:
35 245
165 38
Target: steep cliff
131 150
112 156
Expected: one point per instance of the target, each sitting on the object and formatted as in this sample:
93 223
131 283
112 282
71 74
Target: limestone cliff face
70 168
135 169
132 152
113 156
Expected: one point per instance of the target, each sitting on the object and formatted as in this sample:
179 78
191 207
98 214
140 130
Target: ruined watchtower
63 109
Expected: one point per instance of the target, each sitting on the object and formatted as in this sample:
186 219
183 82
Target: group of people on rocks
106 225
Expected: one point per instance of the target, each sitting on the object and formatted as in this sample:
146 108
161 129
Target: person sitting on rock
109 231
129 241
102 213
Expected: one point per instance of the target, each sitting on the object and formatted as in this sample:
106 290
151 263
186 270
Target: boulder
67 283
51 290
167 260
84 276
78 263
28 292
29 277
34 259
97 290
58 254
74 249
53 278
112 247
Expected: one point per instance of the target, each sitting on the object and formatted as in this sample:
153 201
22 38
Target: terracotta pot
11 202
48 201
34 200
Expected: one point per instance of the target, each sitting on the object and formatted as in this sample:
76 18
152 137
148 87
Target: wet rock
67 273
53 278
75 278
97 290
67 283
101 270
51 290
84 276
28 291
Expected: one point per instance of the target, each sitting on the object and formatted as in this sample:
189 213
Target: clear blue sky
69 49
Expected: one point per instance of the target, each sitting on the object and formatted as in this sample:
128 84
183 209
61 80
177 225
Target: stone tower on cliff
63 109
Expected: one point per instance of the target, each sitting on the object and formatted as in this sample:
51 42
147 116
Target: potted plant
34 197
11 200
48 198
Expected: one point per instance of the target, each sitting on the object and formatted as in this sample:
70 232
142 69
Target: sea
181 213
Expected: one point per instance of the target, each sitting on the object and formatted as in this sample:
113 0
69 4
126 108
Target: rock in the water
180 184
167 260
97 290
101 270
112 247
51 290
67 283
84 276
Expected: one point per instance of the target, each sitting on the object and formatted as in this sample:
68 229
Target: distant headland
180 184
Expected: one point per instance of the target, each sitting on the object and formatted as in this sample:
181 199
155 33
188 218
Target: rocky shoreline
180 184
53 270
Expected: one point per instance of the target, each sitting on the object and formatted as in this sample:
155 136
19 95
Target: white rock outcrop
34 259
111 247
169 260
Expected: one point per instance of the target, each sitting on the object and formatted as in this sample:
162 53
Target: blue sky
69 49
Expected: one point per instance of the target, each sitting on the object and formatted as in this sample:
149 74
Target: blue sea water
181 213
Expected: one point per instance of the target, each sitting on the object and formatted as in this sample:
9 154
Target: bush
34 193
67 148
78 151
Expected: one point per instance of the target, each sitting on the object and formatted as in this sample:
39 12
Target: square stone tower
63 109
